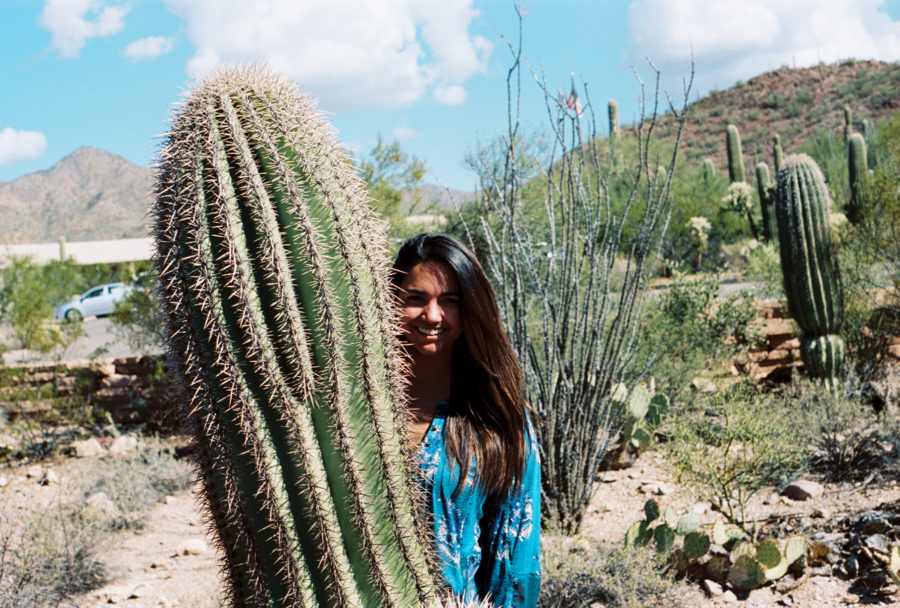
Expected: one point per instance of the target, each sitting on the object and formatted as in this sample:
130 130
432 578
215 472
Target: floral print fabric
487 548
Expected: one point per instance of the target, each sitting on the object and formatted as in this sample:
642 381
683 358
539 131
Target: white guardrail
83 252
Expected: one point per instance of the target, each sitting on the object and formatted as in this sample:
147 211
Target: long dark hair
487 417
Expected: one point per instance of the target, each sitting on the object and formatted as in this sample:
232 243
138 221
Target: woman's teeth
430 332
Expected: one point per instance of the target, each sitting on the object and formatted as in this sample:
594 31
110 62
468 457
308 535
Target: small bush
578 573
689 328
732 444
48 557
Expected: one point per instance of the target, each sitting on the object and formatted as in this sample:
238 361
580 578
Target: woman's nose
432 312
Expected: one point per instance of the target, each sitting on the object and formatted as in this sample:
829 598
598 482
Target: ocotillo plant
736 171
809 264
766 190
274 282
858 167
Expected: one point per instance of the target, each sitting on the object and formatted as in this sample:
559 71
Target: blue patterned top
487 548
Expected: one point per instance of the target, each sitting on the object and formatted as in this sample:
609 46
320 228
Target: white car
95 302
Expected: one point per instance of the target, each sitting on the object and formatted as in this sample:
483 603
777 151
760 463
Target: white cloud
72 22
148 48
404 133
20 145
348 53
450 96
733 41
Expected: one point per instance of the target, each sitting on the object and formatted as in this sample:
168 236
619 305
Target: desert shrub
848 439
47 557
584 572
135 482
688 328
733 443
137 319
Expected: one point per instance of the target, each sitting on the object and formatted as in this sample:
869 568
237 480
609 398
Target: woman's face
430 308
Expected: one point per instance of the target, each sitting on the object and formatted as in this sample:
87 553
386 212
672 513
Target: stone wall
778 356
131 389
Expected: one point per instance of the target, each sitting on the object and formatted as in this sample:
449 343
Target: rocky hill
88 195
795 103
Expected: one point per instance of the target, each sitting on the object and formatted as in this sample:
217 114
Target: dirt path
168 564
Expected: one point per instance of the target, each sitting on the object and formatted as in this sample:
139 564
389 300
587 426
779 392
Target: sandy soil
168 564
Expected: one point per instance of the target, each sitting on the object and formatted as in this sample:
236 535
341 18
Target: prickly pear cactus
275 288
809 263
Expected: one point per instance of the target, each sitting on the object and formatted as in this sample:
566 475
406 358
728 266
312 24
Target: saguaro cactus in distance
613 111
736 171
809 264
275 289
858 167
766 190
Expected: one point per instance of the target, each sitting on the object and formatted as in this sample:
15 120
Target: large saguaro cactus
809 264
275 288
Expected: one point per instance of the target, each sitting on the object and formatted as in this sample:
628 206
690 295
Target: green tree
28 294
394 180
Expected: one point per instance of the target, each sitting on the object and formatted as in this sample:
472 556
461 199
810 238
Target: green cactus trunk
848 123
613 109
766 190
777 153
736 172
809 264
274 282
858 167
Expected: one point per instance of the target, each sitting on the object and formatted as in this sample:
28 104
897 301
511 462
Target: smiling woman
467 414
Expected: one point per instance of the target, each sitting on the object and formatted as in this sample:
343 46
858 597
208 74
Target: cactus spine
859 170
613 109
766 190
736 171
274 282
809 264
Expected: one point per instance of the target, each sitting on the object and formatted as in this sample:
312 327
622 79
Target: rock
821 513
704 385
49 478
879 543
653 488
803 489
86 448
701 508
771 499
712 588
729 596
192 546
876 525
123 445
34 472
100 502
141 590
4 481
171 500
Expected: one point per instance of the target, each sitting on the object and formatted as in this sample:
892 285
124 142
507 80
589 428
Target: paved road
100 341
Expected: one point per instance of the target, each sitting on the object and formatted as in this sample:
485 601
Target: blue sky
429 73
